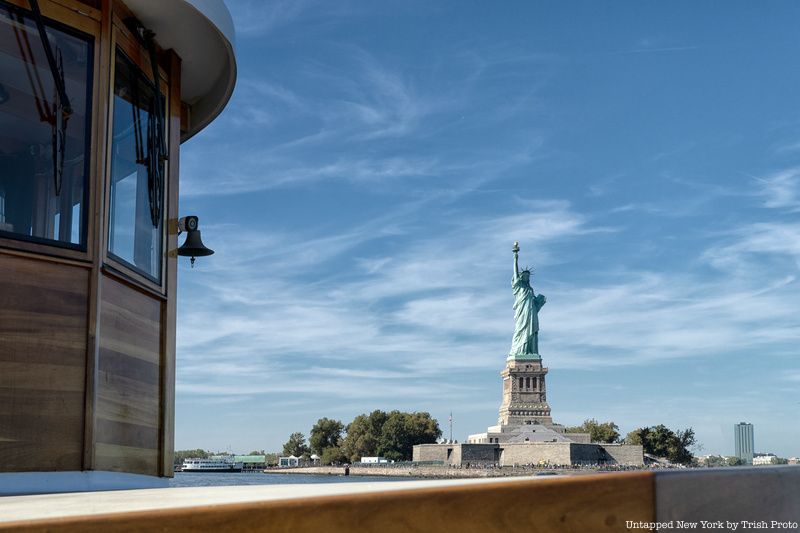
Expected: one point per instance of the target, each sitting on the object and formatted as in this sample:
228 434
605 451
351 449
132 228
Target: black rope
155 170
26 52
156 144
61 104
58 75
137 118
60 118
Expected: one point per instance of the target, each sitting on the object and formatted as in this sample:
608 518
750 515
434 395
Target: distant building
743 440
375 460
761 459
285 462
711 460
794 461
251 462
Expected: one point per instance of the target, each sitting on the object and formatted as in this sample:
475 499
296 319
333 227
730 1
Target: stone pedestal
524 392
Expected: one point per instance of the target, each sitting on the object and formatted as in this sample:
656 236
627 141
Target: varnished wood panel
170 307
43 320
73 13
126 458
97 229
87 8
580 504
104 329
129 321
128 384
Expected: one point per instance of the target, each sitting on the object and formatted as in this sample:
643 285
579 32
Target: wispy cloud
377 161
382 101
657 45
405 316
659 49
755 248
781 190
260 104
371 125
252 17
407 311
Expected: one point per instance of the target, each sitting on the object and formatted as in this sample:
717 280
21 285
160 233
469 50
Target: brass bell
193 245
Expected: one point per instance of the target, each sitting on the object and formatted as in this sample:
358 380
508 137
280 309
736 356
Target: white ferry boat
210 465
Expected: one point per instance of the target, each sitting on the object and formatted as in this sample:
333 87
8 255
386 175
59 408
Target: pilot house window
45 102
137 164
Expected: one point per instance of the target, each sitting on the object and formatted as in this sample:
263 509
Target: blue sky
364 186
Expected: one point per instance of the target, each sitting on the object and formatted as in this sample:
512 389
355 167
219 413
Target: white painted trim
17 483
201 32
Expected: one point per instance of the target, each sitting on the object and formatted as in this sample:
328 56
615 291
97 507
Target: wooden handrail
590 503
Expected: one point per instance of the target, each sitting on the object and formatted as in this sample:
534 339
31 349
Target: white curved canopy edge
201 32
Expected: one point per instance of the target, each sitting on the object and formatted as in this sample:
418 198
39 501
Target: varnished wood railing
597 503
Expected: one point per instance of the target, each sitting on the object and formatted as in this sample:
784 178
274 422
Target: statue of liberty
526 311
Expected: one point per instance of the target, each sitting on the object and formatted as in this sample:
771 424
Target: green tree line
391 435
659 440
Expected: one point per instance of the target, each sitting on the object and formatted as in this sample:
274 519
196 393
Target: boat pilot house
96 97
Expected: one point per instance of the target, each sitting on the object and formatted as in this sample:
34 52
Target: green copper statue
526 311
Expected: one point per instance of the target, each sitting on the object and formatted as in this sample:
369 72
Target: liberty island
525 432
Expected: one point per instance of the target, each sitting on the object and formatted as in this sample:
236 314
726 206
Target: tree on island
326 433
296 445
363 434
182 455
604 432
402 431
333 455
390 435
326 440
663 442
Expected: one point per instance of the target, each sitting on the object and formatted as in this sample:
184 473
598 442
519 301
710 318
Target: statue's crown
527 269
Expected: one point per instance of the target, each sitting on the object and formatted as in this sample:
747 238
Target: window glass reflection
44 146
133 238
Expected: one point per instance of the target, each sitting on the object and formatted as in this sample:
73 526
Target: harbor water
200 479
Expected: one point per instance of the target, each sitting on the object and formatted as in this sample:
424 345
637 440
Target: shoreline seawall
432 472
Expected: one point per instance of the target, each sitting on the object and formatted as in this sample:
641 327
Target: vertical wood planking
96 240
43 320
64 342
167 437
128 389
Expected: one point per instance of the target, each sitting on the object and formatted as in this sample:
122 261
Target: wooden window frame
77 17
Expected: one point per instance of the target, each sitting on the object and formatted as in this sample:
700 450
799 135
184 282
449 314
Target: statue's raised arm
515 249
